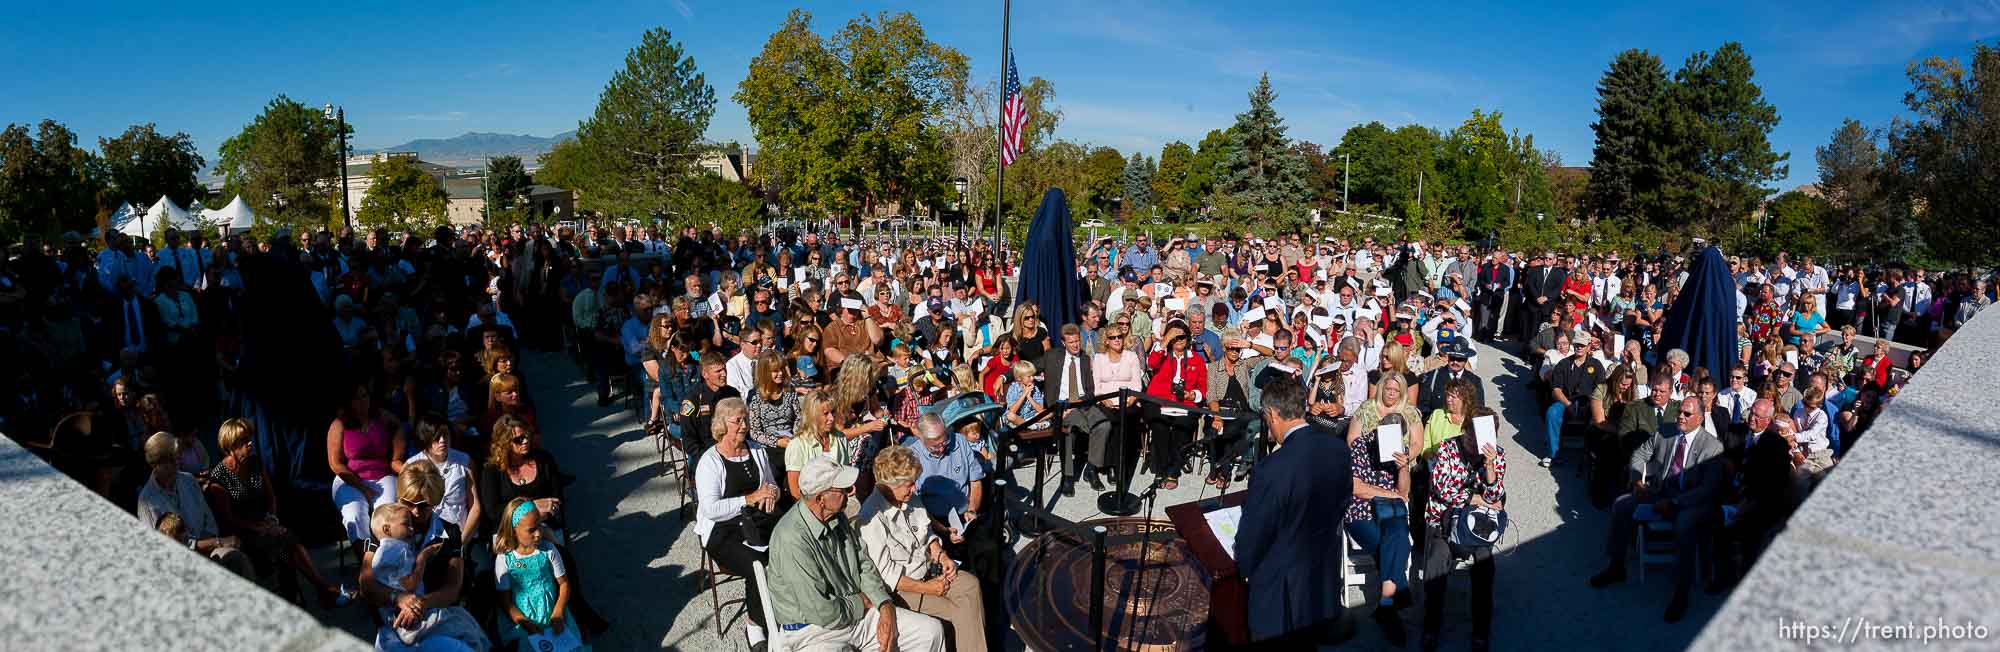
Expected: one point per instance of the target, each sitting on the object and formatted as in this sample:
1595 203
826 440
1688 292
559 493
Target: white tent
125 213
165 209
235 217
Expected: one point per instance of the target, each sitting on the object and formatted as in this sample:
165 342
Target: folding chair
1656 544
715 576
774 636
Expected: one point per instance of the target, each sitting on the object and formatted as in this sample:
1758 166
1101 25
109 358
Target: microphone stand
1119 501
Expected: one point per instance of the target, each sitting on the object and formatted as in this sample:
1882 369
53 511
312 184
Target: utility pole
1420 192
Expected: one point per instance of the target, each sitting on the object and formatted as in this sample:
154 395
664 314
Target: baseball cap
822 473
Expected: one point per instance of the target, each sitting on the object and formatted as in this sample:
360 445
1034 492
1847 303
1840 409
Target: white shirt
741 373
1072 368
710 476
457 473
1726 400
896 538
1844 294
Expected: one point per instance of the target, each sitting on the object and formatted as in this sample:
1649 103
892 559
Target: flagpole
1000 132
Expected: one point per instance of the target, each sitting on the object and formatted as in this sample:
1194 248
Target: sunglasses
519 439
1688 414
812 339
416 504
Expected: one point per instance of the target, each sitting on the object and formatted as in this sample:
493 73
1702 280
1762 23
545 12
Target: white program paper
1485 432
1388 441
1253 315
1223 523
1792 356
956 522
1176 303
1274 303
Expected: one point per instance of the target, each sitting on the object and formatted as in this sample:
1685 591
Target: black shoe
1610 576
1067 489
1677 607
1385 616
759 646
1090 477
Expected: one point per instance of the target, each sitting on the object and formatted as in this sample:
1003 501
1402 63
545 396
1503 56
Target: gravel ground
640 563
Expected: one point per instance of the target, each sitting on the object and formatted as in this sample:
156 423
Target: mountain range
474 148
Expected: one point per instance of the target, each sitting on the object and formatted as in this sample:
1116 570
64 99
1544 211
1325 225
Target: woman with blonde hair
246 507
505 398
1395 361
816 436
855 404
1389 396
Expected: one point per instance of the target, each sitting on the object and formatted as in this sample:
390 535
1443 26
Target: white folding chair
1656 544
774 635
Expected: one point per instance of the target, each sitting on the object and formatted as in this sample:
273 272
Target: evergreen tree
506 180
1715 144
646 132
1138 182
1262 172
1629 99
1176 162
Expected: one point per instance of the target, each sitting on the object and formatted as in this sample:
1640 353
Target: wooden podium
1229 598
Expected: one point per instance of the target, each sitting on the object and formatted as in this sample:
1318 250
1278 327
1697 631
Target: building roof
439 171
464 188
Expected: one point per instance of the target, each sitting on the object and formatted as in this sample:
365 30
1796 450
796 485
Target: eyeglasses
519 440
1785 373
1686 413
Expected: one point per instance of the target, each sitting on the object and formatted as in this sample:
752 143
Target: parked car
1093 224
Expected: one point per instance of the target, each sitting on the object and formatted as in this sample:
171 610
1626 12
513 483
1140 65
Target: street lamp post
339 116
1346 171
960 184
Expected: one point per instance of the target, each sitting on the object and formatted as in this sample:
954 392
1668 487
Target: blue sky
1127 74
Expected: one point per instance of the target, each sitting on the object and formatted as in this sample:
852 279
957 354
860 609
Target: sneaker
1548 462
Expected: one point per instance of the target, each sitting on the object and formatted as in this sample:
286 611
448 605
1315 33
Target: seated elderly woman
905 545
736 496
170 491
247 508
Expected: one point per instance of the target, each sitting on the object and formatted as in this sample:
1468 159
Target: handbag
1475 530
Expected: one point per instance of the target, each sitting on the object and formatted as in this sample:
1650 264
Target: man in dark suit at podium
1288 542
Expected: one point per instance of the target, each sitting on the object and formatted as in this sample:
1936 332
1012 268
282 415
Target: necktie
1075 378
1680 450
1736 411
135 334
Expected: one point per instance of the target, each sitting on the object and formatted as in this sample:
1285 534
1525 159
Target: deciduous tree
856 119
47 183
286 164
1947 158
402 197
143 164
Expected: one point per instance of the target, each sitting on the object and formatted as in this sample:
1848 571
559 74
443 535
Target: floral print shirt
1367 470
1451 483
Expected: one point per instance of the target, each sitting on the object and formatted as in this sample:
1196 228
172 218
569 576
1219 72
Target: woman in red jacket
1178 376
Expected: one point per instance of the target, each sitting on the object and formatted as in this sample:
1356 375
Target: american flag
1013 114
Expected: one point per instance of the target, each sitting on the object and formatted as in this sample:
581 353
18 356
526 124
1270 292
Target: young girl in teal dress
533 585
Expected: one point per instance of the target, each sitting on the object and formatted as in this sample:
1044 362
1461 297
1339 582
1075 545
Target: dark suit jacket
1430 393
1639 418
1288 543
1702 478
1052 373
